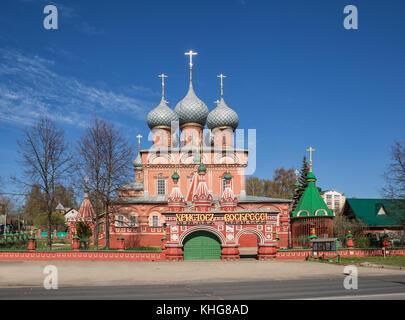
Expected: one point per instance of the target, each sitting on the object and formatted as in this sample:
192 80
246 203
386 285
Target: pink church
189 192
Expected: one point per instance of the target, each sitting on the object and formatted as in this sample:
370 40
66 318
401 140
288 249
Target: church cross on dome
310 158
163 76
139 141
222 83
191 53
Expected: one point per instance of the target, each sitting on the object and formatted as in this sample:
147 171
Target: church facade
189 191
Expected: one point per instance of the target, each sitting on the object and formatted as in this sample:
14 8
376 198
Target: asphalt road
376 287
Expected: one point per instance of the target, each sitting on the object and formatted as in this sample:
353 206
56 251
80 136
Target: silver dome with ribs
161 116
222 116
191 109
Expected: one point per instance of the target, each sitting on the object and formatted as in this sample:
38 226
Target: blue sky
294 74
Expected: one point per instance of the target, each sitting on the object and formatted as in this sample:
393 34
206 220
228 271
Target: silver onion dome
191 109
137 163
222 116
161 116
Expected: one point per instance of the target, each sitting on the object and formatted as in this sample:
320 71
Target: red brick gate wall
83 256
344 253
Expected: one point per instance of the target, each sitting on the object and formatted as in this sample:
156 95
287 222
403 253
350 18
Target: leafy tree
57 221
34 203
65 196
282 185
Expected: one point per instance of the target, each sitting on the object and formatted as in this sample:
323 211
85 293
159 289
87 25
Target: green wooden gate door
201 245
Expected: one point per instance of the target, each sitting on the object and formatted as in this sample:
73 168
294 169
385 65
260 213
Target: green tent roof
311 203
367 211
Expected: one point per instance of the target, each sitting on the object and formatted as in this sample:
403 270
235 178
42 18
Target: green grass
389 261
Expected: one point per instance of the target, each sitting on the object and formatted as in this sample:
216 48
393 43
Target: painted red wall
248 240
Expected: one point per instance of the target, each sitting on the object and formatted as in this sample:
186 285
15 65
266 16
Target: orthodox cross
310 158
163 76
222 83
139 142
191 54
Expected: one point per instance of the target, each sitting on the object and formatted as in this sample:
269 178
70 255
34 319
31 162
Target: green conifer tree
302 182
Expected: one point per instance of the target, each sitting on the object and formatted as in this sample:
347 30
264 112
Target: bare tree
104 156
46 159
395 178
254 186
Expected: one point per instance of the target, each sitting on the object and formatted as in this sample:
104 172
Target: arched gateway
201 245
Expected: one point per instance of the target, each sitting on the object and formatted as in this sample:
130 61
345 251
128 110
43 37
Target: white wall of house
334 199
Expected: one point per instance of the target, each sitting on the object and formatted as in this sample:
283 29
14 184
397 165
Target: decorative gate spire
86 211
228 200
202 198
176 200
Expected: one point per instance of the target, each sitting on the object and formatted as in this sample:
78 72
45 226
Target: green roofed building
310 213
377 214
311 203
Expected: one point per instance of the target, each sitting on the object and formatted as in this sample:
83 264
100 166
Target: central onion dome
191 109
161 116
222 116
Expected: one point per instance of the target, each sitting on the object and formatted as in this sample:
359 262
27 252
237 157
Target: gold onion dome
161 116
222 116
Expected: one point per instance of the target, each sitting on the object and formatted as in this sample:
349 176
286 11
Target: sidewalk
88 273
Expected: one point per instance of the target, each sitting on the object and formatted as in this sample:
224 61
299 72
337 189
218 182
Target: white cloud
30 88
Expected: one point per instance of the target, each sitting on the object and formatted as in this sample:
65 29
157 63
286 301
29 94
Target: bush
362 242
341 227
12 243
84 233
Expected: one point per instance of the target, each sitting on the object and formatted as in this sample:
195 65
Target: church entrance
248 245
201 245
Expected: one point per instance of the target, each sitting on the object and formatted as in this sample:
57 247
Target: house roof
367 211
